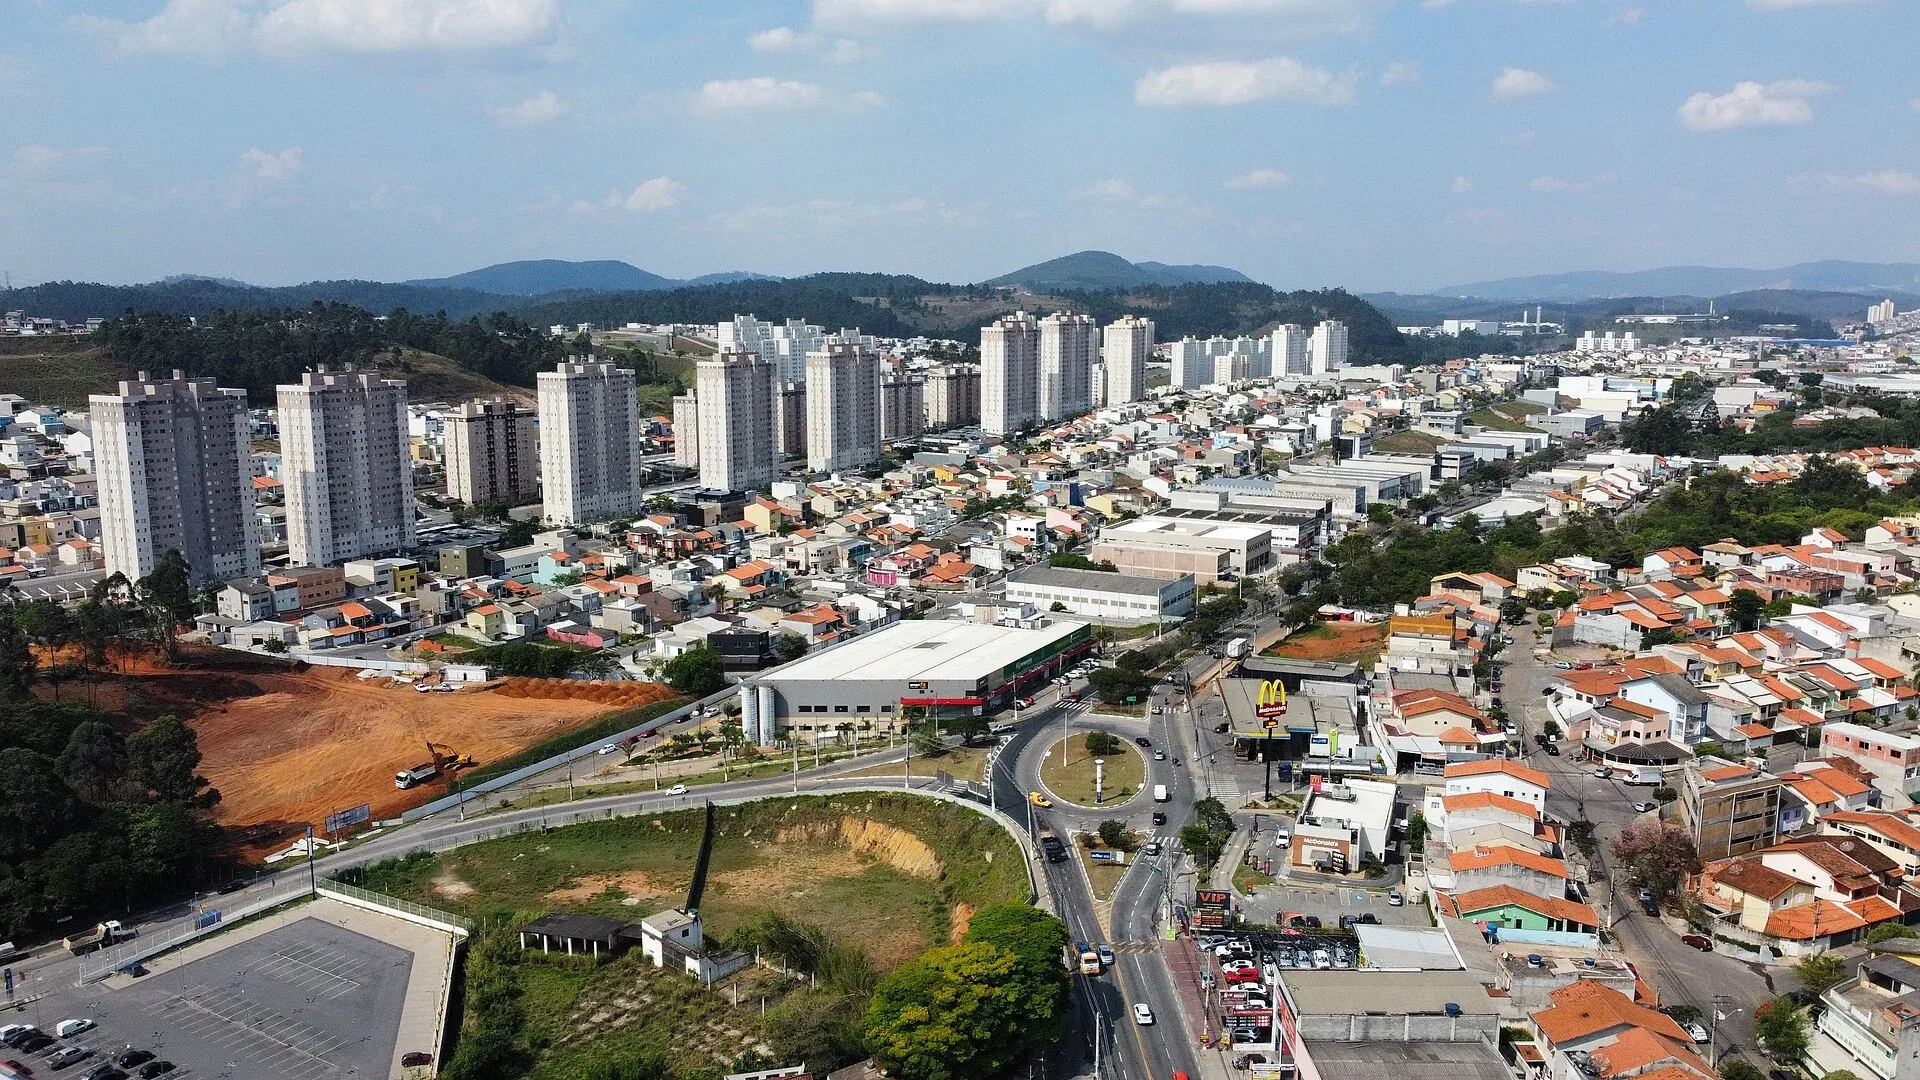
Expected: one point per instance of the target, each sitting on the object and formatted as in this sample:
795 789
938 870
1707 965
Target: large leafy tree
94 762
163 759
1781 1027
957 1013
696 671
1656 854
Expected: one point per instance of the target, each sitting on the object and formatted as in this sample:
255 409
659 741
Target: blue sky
1375 144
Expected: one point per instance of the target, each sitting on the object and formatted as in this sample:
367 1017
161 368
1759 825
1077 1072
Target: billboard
1211 907
1272 700
341 820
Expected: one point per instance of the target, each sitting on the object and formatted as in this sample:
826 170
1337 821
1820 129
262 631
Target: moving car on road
1142 1015
1039 800
1697 941
1645 806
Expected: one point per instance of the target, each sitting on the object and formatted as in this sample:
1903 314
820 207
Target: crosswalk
1165 840
1135 948
1224 788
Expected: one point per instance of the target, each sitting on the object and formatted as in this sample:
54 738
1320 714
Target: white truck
1238 648
99 937
1159 793
419 774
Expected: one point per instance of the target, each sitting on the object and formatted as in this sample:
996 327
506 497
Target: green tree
167 593
956 1013
1417 832
1104 744
696 672
16 659
94 762
1888 931
1202 843
1116 835
1740 1069
1781 1027
1115 685
35 807
1820 971
162 759
789 647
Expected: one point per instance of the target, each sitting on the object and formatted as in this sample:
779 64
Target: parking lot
306 1001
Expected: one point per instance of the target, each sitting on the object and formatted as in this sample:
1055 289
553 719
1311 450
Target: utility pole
1713 1029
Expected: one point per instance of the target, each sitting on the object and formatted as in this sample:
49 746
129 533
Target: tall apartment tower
843 406
1009 374
344 463
1289 350
589 442
490 453
686 431
736 421
1328 352
903 407
789 419
173 461
1126 350
953 396
1069 345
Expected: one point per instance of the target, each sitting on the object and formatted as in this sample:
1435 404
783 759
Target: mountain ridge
1831 275
1095 270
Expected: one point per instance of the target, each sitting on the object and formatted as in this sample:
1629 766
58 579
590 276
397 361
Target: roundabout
1108 774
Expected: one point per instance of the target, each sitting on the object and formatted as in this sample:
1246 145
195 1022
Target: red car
1241 975
1698 941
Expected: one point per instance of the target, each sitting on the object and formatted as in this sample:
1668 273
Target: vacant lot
1409 442
1336 643
1506 415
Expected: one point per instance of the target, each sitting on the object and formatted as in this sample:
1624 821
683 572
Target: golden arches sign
1272 700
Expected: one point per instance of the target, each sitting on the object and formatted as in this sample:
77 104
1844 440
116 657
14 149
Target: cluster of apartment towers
175 462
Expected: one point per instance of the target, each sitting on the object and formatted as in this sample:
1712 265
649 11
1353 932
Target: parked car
1698 941
1368 918
161 1068
1697 1033
103 1071
35 1042
1645 806
1394 899
130 1057
72 1054
1322 958
67 1029
1602 772
1142 1015
1222 728
1241 975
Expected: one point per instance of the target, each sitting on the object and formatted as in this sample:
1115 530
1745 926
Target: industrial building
967 668
1101 594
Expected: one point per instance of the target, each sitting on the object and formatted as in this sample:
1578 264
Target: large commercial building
172 457
903 407
843 406
965 667
736 412
1069 345
953 396
1171 547
1290 350
1100 594
1328 350
490 453
1125 351
345 466
589 442
686 431
1009 374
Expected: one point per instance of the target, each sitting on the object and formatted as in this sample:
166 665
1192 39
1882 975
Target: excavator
444 761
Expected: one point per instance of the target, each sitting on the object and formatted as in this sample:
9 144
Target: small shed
575 935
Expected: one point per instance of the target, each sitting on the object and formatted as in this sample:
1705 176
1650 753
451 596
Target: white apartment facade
843 407
1009 374
1290 350
735 389
173 461
589 442
1328 351
345 466
489 447
783 345
686 431
1069 345
953 396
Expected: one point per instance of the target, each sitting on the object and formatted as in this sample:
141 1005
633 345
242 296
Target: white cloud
1752 104
1516 82
828 215
1884 182
657 194
785 39
1400 72
1227 82
1461 185
1256 178
917 10
1562 186
288 27
1307 17
1107 191
542 108
759 93
1629 16
38 161
266 167
780 39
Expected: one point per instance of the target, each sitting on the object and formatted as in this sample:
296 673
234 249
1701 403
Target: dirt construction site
287 746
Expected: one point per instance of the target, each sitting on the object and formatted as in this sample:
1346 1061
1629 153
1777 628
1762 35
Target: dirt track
323 740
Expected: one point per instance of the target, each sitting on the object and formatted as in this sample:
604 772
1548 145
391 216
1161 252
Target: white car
1645 807
1142 1015
1603 772
677 789
1322 959
610 748
1697 1033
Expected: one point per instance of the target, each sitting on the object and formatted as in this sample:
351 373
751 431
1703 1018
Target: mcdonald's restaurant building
1321 724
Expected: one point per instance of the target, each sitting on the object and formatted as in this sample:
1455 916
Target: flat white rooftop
929 650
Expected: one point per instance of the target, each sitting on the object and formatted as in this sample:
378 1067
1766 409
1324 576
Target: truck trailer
99 937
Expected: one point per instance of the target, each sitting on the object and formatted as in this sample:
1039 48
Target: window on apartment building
839 708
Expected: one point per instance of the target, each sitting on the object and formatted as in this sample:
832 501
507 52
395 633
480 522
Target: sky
1372 144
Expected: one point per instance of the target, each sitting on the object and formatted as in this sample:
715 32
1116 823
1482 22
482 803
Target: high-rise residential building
1882 312
1231 368
789 419
953 396
1009 374
1097 385
1126 350
736 421
590 466
783 345
344 464
1289 350
1192 363
490 453
1328 350
686 431
1069 344
843 406
903 407
174 464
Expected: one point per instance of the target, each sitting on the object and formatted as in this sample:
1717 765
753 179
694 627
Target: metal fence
441 920
101 963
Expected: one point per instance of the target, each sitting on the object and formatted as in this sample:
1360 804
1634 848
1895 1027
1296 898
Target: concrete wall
1398 1027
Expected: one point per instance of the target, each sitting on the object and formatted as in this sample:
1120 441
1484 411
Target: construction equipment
446 759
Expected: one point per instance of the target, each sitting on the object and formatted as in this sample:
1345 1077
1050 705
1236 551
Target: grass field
1336 643
1246 878
1408 442
1105 877
1506 415
58 370
1123 774
964 763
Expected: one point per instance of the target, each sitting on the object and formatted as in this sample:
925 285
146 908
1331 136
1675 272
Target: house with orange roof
1505 907
1499 776
1481 867
1892 758
1589 1017
1669 562
1808 894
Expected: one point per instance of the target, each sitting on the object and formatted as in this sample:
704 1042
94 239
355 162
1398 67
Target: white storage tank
769 729
750 714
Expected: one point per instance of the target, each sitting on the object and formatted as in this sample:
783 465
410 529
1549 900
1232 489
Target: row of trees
94 819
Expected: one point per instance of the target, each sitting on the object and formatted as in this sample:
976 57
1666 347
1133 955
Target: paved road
1678 973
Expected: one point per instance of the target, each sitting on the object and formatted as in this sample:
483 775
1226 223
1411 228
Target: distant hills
1714 281
538 277
1096 271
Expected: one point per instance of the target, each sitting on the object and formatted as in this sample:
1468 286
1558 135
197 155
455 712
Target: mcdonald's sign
1272 700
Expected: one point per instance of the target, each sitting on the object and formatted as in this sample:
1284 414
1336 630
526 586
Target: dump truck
99 937
419 774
